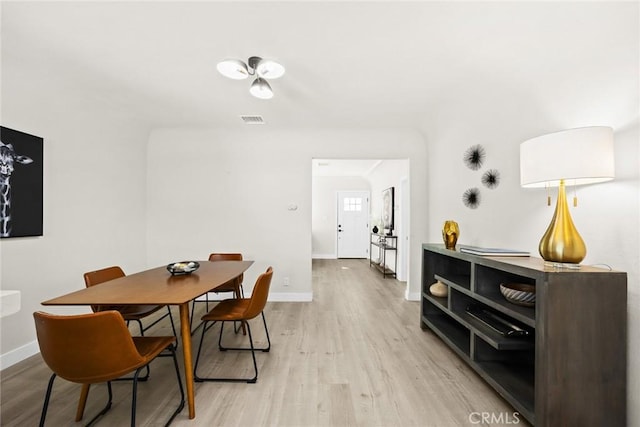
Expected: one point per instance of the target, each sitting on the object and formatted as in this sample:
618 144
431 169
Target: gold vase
562 242
450 234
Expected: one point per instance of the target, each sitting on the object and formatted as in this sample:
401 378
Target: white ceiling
349 64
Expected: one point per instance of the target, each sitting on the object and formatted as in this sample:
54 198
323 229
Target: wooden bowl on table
519 293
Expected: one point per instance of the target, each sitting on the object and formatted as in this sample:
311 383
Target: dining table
158 286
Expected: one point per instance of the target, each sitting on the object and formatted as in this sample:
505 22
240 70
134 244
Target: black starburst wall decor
491 178
471 198
474 157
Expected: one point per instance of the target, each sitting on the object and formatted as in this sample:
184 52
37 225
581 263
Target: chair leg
48 396
236 328
220 347
193 309
140 326
253 356
134 393
266 331
106 408
195 368
45 406
239 294
142 329
264 349
175 364
173 326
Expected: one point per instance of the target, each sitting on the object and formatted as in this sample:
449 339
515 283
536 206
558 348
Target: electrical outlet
285 281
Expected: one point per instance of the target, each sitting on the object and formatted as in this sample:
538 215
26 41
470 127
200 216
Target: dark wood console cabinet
572 369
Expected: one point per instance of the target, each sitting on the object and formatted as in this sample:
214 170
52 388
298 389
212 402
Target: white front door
353 224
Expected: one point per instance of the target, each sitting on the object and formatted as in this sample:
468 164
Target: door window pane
352 204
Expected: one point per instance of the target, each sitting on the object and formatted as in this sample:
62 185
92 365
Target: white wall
389 173
325 210
229 191
94 185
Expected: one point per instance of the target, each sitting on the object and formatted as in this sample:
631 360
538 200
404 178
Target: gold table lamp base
561 242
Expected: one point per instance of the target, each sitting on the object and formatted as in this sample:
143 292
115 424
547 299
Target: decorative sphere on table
450 234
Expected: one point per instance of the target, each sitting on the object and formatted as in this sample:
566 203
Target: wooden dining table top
156 286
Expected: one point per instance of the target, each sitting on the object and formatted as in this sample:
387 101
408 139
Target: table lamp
570 157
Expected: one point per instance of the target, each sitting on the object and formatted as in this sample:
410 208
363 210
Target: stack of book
492 251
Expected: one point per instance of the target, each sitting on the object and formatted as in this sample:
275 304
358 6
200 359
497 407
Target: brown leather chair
234 286
96 348
130 312
243 310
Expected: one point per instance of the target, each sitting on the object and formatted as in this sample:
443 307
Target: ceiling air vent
252 120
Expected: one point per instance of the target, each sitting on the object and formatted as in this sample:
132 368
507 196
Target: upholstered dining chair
234 286
243 310
130 313
96 348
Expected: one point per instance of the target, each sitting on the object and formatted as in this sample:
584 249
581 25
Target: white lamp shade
233 68
577 156
269 69
261 89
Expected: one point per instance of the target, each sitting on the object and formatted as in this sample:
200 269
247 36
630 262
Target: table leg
238 294
84 393
185 330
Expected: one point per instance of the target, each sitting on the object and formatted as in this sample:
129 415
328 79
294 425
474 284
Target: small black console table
384 244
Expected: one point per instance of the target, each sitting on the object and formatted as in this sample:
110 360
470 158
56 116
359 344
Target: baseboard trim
324 256
412 296
291 297
12 357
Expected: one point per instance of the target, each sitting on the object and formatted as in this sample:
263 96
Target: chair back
96 277
103 275
87 348
227 257
259 294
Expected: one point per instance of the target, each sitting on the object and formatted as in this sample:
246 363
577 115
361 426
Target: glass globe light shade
261 89
233 69
270 69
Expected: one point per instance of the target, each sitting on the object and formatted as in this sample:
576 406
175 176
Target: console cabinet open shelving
571 370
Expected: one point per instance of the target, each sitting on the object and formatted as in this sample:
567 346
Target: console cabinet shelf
571 368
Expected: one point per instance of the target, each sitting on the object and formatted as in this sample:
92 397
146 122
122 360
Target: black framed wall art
387 211
21 184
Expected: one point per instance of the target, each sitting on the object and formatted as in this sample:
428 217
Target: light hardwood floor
355 356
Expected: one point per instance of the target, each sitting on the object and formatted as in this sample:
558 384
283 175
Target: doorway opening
334 177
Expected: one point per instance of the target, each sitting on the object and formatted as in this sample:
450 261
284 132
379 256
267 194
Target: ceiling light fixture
255 66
